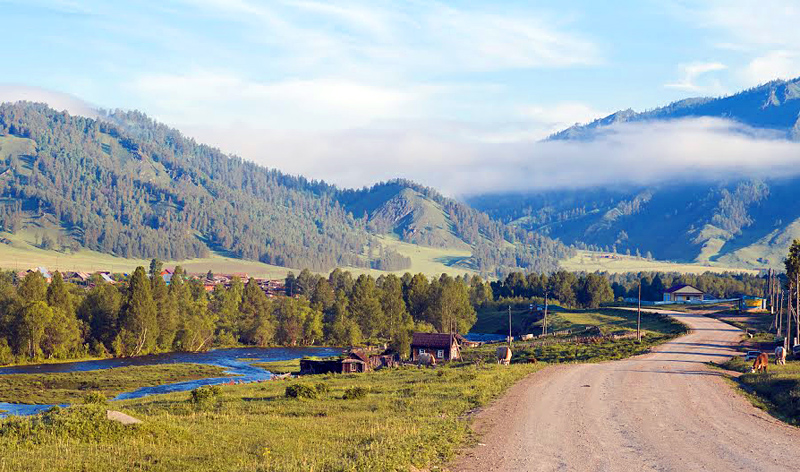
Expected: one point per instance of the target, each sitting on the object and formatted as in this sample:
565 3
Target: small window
440 353
422 351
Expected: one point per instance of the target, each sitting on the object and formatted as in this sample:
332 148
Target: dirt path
664 411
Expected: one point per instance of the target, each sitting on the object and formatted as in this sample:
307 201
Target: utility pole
639 314
509 325
797 305
544 324
787 343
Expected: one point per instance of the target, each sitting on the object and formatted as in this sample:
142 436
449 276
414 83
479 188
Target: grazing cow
426 359
761 363
504 355
780 356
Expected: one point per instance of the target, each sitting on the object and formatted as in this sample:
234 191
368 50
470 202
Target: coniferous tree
138 322
257 314
365 306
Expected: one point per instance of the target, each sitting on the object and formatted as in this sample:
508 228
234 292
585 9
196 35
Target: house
353 362
683 293
107 277
76 277
443 346
46 274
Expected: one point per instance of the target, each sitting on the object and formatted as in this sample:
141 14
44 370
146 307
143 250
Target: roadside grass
608 320
71 387
656 329
777 392
393 419
570 352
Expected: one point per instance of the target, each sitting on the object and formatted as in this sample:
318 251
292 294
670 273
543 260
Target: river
230 359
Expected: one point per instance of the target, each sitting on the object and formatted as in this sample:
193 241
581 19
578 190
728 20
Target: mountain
773 106
126 185
741 222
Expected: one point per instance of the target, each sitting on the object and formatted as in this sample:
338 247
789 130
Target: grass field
391 419
281 367
22 254
777 392
591 261
494 320
71 387
407 416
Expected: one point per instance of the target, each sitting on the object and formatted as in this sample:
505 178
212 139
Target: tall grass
778 390
409 416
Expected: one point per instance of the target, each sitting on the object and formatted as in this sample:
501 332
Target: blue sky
323 88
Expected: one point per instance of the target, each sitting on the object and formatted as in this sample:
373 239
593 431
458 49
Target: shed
750 303
443 346
683 293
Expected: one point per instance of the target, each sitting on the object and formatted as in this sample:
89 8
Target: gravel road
664 411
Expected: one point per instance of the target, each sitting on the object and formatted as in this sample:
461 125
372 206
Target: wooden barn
443 346
353 362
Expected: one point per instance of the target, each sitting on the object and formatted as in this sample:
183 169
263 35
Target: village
87 280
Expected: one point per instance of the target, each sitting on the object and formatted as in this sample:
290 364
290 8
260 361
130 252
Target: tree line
582 290
143 315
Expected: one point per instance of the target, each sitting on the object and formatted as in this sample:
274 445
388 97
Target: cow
780 356
504 355
426 359
761 363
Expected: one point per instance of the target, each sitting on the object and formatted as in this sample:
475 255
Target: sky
456 95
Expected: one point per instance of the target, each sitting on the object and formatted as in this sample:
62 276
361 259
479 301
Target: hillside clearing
590 261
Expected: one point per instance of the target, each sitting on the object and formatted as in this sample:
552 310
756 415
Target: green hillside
129 187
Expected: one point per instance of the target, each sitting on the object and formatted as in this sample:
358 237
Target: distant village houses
272 288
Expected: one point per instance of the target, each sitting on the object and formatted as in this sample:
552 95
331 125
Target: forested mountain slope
744 222
772 106
129 186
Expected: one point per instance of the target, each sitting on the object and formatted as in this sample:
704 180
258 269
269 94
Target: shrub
321 388
300 391
205 397
96 398
355 393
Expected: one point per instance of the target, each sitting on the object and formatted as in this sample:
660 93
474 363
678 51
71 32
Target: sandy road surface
662 411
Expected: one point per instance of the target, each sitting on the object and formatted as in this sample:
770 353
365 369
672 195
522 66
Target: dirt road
664 411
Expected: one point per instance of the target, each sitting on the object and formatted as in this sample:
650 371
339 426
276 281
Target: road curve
662 411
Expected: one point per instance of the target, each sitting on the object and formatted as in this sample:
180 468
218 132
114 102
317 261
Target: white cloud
409 37
773 65
691 78
56 100
628 153
764 33
225 98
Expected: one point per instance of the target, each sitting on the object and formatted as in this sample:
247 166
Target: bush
205 397
355 393
300 391
94 398
321 388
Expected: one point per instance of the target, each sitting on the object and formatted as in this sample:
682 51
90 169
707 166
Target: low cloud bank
699 149
462 160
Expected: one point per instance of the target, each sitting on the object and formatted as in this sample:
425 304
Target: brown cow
504 355
762 361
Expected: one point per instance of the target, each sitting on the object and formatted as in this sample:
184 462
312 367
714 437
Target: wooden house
443 346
